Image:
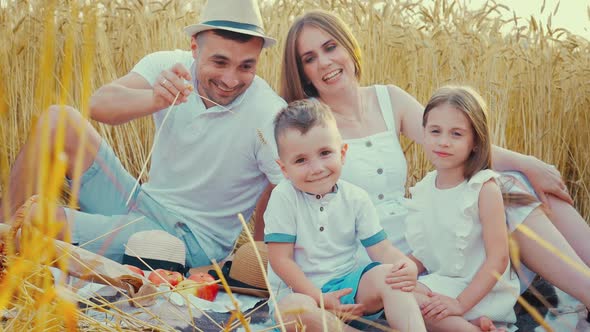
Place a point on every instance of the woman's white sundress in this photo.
(445, 234)
(377, 164)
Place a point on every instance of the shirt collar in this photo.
(327, 196)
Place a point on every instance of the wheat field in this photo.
(536, 79)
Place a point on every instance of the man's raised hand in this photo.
(170, 83)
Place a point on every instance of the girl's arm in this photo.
(544, 178)
(493, 222)
(280, 257)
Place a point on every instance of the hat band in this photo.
(235, 25)
(154, 264)
(231, 281)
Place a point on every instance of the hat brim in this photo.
(233, 284)
(191, 30)
(235, 289)
(153, 264)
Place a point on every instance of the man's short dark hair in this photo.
(226, 34)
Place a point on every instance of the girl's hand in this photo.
(440, 306)
(345, 312)
(545, 179)
(403, 275)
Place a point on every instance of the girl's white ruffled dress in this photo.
(444, 233)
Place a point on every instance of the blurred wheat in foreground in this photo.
(536, 80)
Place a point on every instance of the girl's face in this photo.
(326, 64)
(448, 138)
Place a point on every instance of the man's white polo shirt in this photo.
(325, 230)
(208, 165)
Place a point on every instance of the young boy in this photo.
(314, 225)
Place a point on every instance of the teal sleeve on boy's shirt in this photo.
(280, 217)
(372, 240)
(279, 237)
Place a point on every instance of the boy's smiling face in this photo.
(312, 161)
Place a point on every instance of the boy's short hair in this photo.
(302, 115)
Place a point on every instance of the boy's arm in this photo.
(404, 273)
(493, 222)
(419, 265)
(384, 252)
(280, 257)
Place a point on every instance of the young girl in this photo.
(456, 227)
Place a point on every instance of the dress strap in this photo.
(385, 105)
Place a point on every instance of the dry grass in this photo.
(536, 79)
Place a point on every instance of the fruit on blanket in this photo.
(201, 285)
(161, 276)
(135, 269)
(187, 287)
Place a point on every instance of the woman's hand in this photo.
(545, 179)
(440, 306)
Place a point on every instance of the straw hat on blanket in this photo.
(155, 249)
(243, 273)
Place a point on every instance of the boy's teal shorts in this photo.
(352, 280)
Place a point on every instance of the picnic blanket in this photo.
(171, 309)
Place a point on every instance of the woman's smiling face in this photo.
(326, 64)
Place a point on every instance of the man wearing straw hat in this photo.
(213, 154)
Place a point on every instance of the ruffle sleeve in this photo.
(470, 212)
(470, 199)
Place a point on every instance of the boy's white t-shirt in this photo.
(325, 230)
(208, 165)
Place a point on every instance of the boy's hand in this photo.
(440, 306)
(403, 275)
(345, 312)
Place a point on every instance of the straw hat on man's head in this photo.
(241, 16)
